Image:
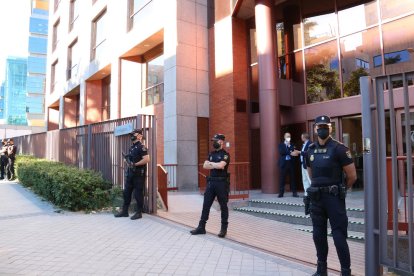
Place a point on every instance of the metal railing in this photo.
(96, 147)
(171, 170)
(239, 179)
(152, 95)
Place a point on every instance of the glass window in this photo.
(135, 6)
(73, 60)
(154, 89)
(322, 76)
(392, 8)
(360, 53)
(398, 45)
(37, 45)
(319, 21)
(35, 84)
(74, 13)
(99, 35)
(357, 18)
(139, 5)
(56, 35)
(53, 78)
(36, 65)
(38, 26)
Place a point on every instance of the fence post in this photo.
(88, 147)
(371, 237)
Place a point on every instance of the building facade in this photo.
(36, 63)
(282, 63)
(115, 59)
(15, 91)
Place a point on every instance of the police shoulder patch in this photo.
(348, 154)
(226, 157)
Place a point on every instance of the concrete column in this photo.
(61, 112)
(268, 97)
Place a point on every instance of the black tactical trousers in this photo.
(10, 168)
(4, 161)
(333, 208)
(220, 190)
(134, 183)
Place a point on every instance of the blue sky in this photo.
(14, 30)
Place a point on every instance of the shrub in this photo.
(65, 186)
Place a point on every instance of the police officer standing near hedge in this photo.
(217, 186)
(11, 155)
(3, 159)
(327, 160)
(135, 178)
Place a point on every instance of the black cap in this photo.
(137, 130)
(322, 120)
(218, 136)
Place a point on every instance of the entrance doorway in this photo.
(352, 138)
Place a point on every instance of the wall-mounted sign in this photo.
(123, 129)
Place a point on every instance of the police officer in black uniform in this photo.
(4, 160)
(135, 177)
(327, 160)
(217, 186)
(11, 155)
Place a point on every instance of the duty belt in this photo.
(333, 189)
(216, 178)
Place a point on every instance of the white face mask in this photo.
(287, 139)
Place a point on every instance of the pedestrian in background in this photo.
(305, 176)
(287, 153)
(327, 160)
(135, 177)
(4, 160)
(217, 186)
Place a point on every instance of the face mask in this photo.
(323, 133)
(133, 138)
(287, 139)
(216, 145)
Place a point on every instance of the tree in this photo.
(351, 87)
(322, 83)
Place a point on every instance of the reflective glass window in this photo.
(398, 45)
(357, 18)
(100, 36)
(38, 26)
(35, 84)
(392, 8)
(319, 21)
(37, 45)
(36, 65)
(322, 76)
(360, 53)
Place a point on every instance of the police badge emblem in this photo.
(348, 153)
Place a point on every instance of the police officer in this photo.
(217, 186)
(135, 178)
(327, 160)
(4, 160)
(11, 155)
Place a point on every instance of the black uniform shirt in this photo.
(217, 156)
(326, 161)
(136, 153)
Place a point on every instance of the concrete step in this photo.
(356, 236)
(296, 205)
(293, 217)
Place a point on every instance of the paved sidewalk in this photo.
(272, 236)
(36, 240)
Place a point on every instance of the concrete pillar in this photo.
(268, 97)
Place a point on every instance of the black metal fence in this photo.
(388, 139)
(96, 147)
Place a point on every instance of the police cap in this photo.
(218, 136)
(137, 130)
(322, 120)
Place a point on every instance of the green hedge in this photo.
(65, 186)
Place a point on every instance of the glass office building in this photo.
(15, 91)
(36, 64)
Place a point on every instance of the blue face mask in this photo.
(323, 133)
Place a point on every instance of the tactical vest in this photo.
(326, 169)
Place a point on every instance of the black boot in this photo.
(137, 215)
(123, 213)
(345, 272)
(322, 269)
(200, 230)
(223, 231)
(306, 201)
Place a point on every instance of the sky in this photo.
(14, 30)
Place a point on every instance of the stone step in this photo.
(356, 236)
(292, 217)
(296, 205)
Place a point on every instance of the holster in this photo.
(314, 193)
(342, 192)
